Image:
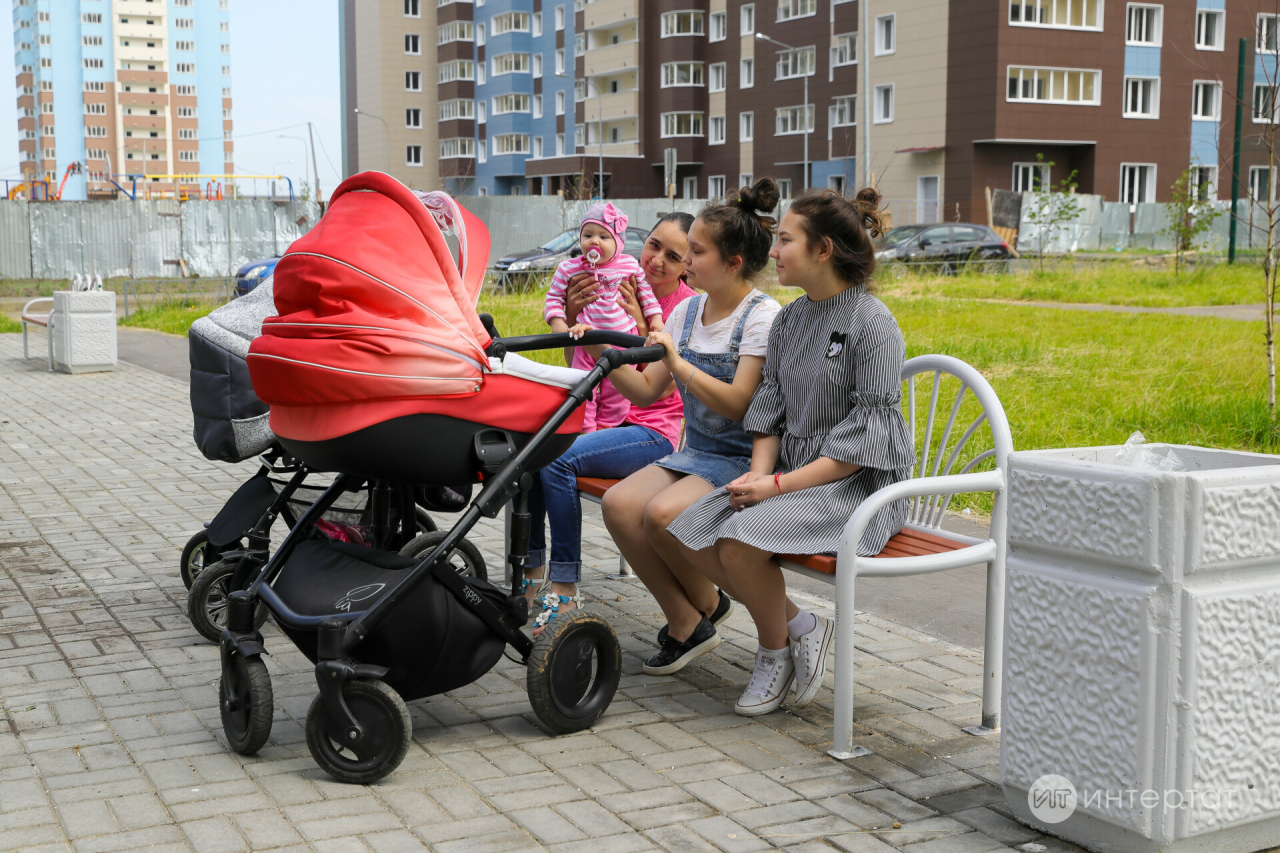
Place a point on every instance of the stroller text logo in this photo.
(360, 593)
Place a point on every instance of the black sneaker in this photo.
(674, 654)
(724, 609)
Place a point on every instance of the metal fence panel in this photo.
(15, 240)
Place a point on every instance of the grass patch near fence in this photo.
(1113, 283)
(8, 324)
(174, 317)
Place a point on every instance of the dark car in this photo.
(944, 247)
(549, 255)
(251, 274)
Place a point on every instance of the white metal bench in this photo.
(922, 546)
(44, 320)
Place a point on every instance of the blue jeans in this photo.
(608, 454)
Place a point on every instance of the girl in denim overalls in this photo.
(715, 358)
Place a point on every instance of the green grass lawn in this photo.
(173, 317)
(8, 324)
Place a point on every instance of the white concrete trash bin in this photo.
(84, 331)
(1142, 650)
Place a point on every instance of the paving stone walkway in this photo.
(112, 739)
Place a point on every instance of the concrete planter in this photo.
(84, 331)
(1142, 650)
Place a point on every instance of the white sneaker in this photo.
(768, 686)
(809, 654)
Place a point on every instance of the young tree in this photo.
(1052, 211)
(1190, 214)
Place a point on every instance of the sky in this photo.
(284, 63)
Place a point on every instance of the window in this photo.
(747, 19)
(189, 156)
(681, 124)
(91, 18)
(480, 37)
(559, 144)
(516, 103)
(559, 18)
(1137, 182)
(682, 24)
(1210, 27)
(788, 120)
(843, 112)
(537, 147)
(746, 73)
(511, 143)
(1204, 183)
(719, 26)
(795, 63)
(510, 22)
(224, 48)
(1062, 14)
(413, 117)
(457, 108)
(715, 186)
(91, 41)
(1267, 36)
(745, 179)
(510, 63)
(681, 74)
(450, 32)
(579, 44)
(716, 136)
(788, 9)
(186, 133)
(579, 91)
(88, 63)
(457, 148)
(95, 109)
(719, 74)
(184, 23)
(883, 105)
(1260, 183)
(1030, 177)
(1143, 24)
(845, 50)
(224, 26)
(482, 154)
(746, 126)
(1206, 100)
(186, 112)
(537, 106)
(94, 86)
(784, 188)
(689, 187)
(537, 24)
(411, 9)
(1141, 97)
(185, 46)
(95, 154)
(1264, 104)
(1054, 85)
(886, 34)
(560, 61)
(458, 69)
(413, 81)
(560, 102)
(836, 182)
(480, 73)
(482, 112)
(537, 65)
(188, 91)
(98, 131)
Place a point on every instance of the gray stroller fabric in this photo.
(230, 421)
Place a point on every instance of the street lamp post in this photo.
(304, 149)
(804, 117)
(600, 130)
(386, 129)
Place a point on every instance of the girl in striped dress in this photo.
(602, 237)
(828, 433)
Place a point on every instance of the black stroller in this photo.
(380, 627)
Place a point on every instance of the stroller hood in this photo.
(376, 318)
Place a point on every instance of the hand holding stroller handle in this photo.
(524, 343)
(637, 355)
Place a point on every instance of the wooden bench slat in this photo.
(40, 320)
(906, 543)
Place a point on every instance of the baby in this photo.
(602, 238)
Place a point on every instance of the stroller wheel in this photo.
(207, 601)
(423, 522)
(197, 554)
(246, 702)
(385, 720)
(573, 671)
(465, 557)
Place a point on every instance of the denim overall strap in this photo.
(690, 317)
(736, 340)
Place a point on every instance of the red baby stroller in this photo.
(379, 368)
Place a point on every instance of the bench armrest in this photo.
(49, 299)
(985, 481)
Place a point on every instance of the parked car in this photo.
(549, 255)
(944, 246)
(249, 275)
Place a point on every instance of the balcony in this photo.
(619, 105)
(143, 99)
(625, 148)
(144, 122)
(612, 59)
(608, 13)
(145, 77)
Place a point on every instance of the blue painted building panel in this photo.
(209, 83)
(1204, 143)
(1140, 61)
(68, 94)
(1220, 5)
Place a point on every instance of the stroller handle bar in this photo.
(524, 343)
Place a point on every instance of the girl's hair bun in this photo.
(867, 202)
(763, 196)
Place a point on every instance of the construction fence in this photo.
(145, 239)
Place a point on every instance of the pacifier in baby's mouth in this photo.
(593, 255)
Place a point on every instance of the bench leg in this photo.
(24, 341)
(48, 333)
(625, 572)
(993, 651)
(842, 747)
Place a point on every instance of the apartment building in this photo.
(129, 88)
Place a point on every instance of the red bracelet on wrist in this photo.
(777, 482)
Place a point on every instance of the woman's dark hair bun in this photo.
(868, 201)
(764, 196)
(849, 225)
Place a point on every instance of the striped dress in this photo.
(832, 387)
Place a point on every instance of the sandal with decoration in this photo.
(551, 609)
(540, 586)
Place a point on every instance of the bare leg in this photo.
(756, 581)
(626, 516)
